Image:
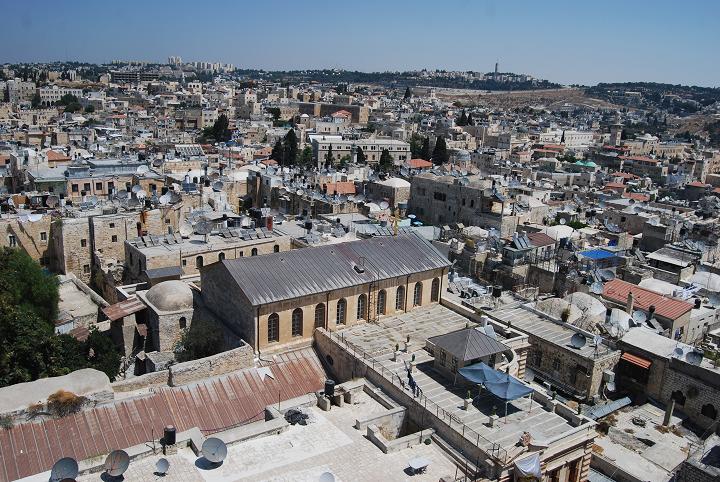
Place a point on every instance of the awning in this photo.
(636, 360)
(123, 308)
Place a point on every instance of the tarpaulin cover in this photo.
(481, 373)
(508, 389)
(529, 466)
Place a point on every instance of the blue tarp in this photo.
(481, 373)
(597, 254)
(509, 389)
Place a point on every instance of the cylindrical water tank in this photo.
(329, 388)
(169, 435)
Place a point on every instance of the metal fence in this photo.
(493, 449)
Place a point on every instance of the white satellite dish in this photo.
(694, 357)
(136, 188)
(162, 466)
(141, 170)
(300, 192)
(384, 205)
(562, 221)
(597, 340)
(217, 186)
(164, 200)
(326, 477)
(214, 450)
(596, 288)
(639, 317)
(122, 194)
(141, 194)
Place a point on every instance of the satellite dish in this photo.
(578, 340)
(217, 186)
(214, 450)
(142, 170)
(384, 205)
(141, 194)
(157, 163)
(300, 192)
(562, 221)
(596, 288)
(65, 468)
(136, 188)
(215, 176)
(122, 194)
(639, 316)
(133, 203)
(359, 198)
(678, 352)
(326, 477)
(52, 201)
(203, 227)
(411, 216)
(164, 200)
(162, 466)
(185, 231)
(116, 463)
(694, 357)
(351, 198)
(93, 200)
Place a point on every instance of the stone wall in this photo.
(191, 371)
(698, 385)
(28, 236)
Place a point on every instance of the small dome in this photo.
(173, 295)
(395, 182)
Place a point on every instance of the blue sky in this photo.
(565, 41)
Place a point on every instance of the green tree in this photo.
(220, 131)
(360, 156)
(305, 158)
(290, 147)
(278, 152)
(386, 163)
(408, 93)
(329, 159)
(462, 121)
(415, 146)
(201, 340)
(470, 121)
(35, 102)
(425, 150)
(24, 284)
(90, 109)
(344, 161)
(101, 354)
(440, 153)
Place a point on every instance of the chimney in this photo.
(630, 303)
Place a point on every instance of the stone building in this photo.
(672, 373)
(395, 191)
(169, 311)
(29, 233)
(278, 300)
(578, 372)
(192, 253)
(441, 200)
(372, 149)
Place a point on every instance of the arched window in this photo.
(273, 328)
(297, 322)
(435, 291)
(362, 307)
(341, 312)
(381, 302)
(400, 298)
(199, 262)
(320, 315)
(221, 256)
(678, 396)
(276, 248)
(709, 411)
(253, 252)
(417, 294)
(183, 322)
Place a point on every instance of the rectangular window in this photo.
(112, 225)
(114, 238)
(83, 243)
(12, 240)
(184, 262)
(111, 185)
(556, 364)
(43, 236)
(74, 188)
(86, 268)
(98, 186)
(86, 187)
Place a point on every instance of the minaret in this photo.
(615, 134)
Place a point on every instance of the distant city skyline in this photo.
(561, 41)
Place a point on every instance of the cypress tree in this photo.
(440, 153)
(425, 151)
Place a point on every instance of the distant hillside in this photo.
(677, 99)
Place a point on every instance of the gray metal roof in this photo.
(468, 344)
(283, 276)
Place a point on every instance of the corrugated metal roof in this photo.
(292, 274)
(123, 308)
(212, 405)
(617, 290)
(468, 344)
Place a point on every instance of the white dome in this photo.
(173, 295)
(586, 303)
(559, 231)
(395, 182)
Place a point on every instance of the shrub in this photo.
(63, 403)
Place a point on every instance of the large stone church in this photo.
(277, 300)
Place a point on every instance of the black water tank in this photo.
(698, 303)
(329, 388)
(497, 291)
(169, 435)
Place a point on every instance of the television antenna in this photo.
(116, 463)
(214, 450)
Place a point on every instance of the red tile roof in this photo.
(212, 405)
(640, 158)
(540, 239)
(419, 164)
(617, 290)
(54, 156)
(636, 196)
(347, 187)
(624, 175)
